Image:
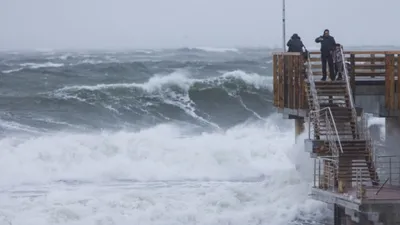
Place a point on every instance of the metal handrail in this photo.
(333, 137)
(362, 129)
(389, 167)
(310, 77)
(324, 176)
(334, 124)
(349, 90)
(347, 79)
(315, 115)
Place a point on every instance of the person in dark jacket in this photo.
(328, 45)
(295, 44)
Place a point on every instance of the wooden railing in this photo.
(365, 64)
(288, 73)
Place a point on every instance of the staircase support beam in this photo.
(345, 168)
(299, 127)
(392, 132)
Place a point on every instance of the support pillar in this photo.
(392, 132)
(299, 126)
(338, 215)
(344, 184)
(390, 217)
(375, 131)
(349, 221)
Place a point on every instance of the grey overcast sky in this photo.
(55, 24)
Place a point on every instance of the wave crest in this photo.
(177, 95)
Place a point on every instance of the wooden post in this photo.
(289, 82)
(389, 82)
(299, 127)
(281, 81)
(398, 82)
(353, 74)
(296, 83)
(276, 85)
(349, 221)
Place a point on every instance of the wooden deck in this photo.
(387, 195)
(369, 68)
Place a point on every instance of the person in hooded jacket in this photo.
(295, 44)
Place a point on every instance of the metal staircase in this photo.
(347, 151)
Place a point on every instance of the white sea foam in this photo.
(41, 65)
(213, 49)
(250, 174)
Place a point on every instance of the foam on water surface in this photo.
(250, 174)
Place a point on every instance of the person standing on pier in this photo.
(295, 44)
(328, 45)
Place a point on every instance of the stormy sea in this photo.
(148, 137)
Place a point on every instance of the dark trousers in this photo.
(327, 58)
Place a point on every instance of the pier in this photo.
(359, 182)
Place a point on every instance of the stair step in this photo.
(338, 86)
(329, 90)
(332, 92)
(360, 147)
(364, 174)
(347, 152)
(356, 155)
(340, 111)
(354, 167)
(353, 157)
(354, 178)
(339, 114)
(331, 97)
(339, 127)
(359, 150)
(345, 143)
(331, 105)
(339, 132)
(329, 83)
(340, 122)
(353, 141)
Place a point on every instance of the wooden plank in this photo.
(295, 82)
(389, 82)
(392, 81)
(289, 88)
(291, 82)
(361, 52)
(295, 86)
(398, 82)
(360, 59)
(302, 75)
(275, 79)
(279, 79)
(353, 75)
(286, 53)
(281, 82)
(286, 66)
(358, 73)
(303, 99)
(371, 67)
